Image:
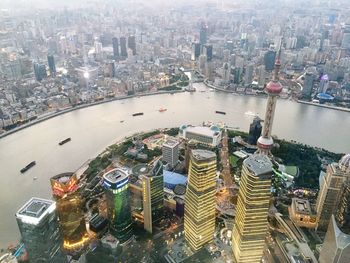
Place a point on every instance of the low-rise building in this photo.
(302, 214)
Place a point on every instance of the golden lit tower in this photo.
(249, 232)
(200, 199)
(273, 89)
(70, 213)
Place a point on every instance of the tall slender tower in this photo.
(249, 232)
(200, 199)
(273, 89)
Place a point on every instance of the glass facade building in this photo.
(200, 199)
(249, 232)
(116, 184)
(38, 224)
(69, 210)
(153, 196)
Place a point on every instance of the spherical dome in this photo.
(265, 143)
(344, 163)
(274, 87)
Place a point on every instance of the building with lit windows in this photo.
(116, 184)
(336, 246)
(153, 196)
(249, 232)
(70, 213)
(38, 224)
(328, 196)
(200, 199)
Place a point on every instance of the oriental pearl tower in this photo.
(273, 89)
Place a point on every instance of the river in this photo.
(93, 129)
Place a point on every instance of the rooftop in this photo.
(35, 209)
(203, 130)
(171, 143)
(258, 164)
(174, 178)
(202, 155)
(115, 175)
(302, 206)
(63, 178)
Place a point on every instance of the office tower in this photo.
(226, 73)
(38, 224)
(308, 84)
(208, 51)
(261, 75)
(116, 184)
(200, 199)
(39, 71)
(336, 246)
(189, 145)
(170, 152)
(324, 83)
(115, 45)
(254, 131)
(237, 72)
(52, 66)
(248, 76)
(269, 60)
(330, 190)
(70, 211)
(203, 32)
(196, 50)
(249, 232)
(273, 89)
(123, 49)
(153, 196)
(132, 44)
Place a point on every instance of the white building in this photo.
(171, 152)
(207, 135)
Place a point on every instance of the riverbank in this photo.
(324, 106)
(60, 112)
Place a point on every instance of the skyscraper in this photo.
(116, 183)
(200, 199)
(115, 45)
(336, 246)
(203, 32)
(70, 211)
(38, 223)
(123, 49)
(52, 65)
(170, 152)
(254, 131)
(330, 190)
(153, 196)
(208, 51)
(132, 44)
(269, 59)
(249, 232)
(196, 50)
(308, 84)
(39, 71)
(273, 89)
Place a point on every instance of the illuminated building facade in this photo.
(200, 199)
(328, 196)
(38, 223)
(69, 208)
(116, 184)
(249, 232)
(153, 196)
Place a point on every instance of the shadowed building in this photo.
(254, 131)
(200, 199)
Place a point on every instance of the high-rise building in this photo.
(273, 89)
(254, 131)
(38, 224)
(308, 84)
(196, 51)
(248, 76)
(132, 44)
(70, 211)
(249, 232)
(153, 196)
(208, 51)
(203, 34)
(336, 246)
(330, 190)
(39, 71)
(269, 60)
(116, 183)
(115, 45)
(170, 151)
(123, 49)
(52, 65)
(324, 84)
(200, 199)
